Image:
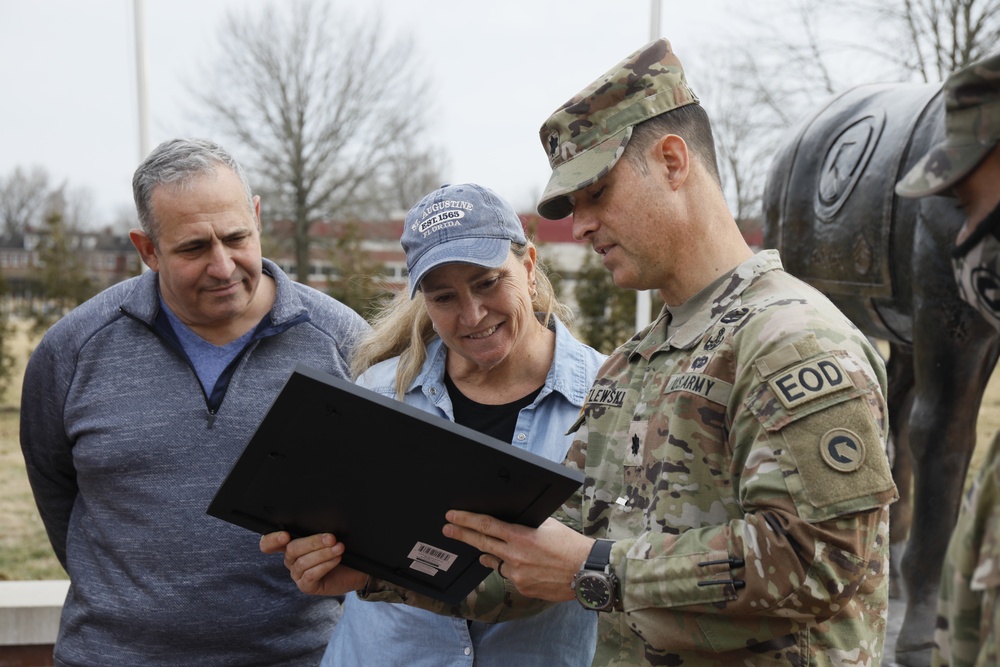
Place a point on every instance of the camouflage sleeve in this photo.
(968, 627)
(571, 512)
(811, 532)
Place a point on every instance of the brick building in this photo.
(108, 258)
(380, 242)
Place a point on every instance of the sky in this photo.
(68, 78)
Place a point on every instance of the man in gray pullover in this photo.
(135, 406)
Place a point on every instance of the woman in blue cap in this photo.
(477, 338)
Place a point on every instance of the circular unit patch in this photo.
(842, 450)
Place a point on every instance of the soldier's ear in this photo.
(672, 154)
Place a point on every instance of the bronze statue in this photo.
(830, 208)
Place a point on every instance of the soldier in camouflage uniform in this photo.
(736, 483)
(966, 165)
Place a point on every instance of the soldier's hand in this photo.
(539, 562)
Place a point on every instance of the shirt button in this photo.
(468, 650)
(434, 391)
(521, 437)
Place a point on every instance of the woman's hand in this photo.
(314, 563)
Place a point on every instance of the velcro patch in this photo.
(833, 461)
(710, 388)
(599, 395)
(842, 449)
(809, 381)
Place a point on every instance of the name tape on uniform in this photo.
(714, 390)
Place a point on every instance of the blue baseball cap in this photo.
(459, 224)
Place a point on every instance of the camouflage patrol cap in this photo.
(972, 129)
(587, 135)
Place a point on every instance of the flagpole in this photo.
(643, 300)
(142, 88)
(141, 76)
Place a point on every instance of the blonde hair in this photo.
(403, 328)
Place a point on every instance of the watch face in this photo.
(593, 590)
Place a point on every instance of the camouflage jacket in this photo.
(968, 628)
(739, 464)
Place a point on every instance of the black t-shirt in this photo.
(498, 421)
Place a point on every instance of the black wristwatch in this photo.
(596, 585)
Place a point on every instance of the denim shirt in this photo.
(376, 634)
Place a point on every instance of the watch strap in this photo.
(600, 555)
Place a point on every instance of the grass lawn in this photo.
(25, 552)
(24, 548)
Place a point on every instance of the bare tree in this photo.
(788, 60)
(758, 82)
(412, 173)
(741, 115)
(123, 219)
(933, 38)
(22, 197)
(322, 102)
(73, 205)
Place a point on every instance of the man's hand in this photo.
(540, 562)
(314, 563)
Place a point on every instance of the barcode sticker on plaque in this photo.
(430, 560)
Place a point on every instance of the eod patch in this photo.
(808, 381)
